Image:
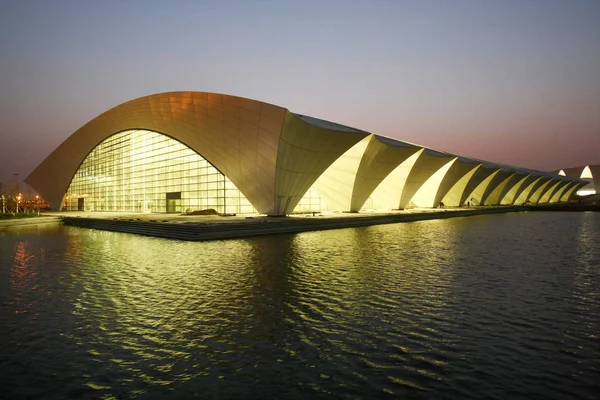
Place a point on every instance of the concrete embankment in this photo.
(565, 207)
(254, 226)
(7, 224)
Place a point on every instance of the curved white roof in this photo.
(274, 157)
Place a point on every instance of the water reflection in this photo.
(455, 308)
(585, 298)
(159, 302)
(22, 279)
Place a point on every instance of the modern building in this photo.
(588, 173)
(181, 151)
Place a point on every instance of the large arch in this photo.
(556, 197)
(427, 194)
(478, 183)
(307, 147)
(492, 192)
(523, 197)
(381, 157)
(238, 136)
(548, 194)
(336, 184)
(511, 182)
(536, 196)
(513, 194)
(428, 163)
(459, 169)
(455, 196)
(570, 191)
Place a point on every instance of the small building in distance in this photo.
(186, 151)
(590, 192)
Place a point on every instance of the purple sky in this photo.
(516, 82)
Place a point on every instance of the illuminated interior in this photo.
(586, 192)
(586, 173)
(588, 189)
(145, 171)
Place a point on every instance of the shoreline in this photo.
(222, 228)
(212, 227)
(6, 224)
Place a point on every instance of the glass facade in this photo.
(311, 201)
(145, 171)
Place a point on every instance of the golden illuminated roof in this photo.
(275, 156)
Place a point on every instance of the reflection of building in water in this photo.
(588, 173)
(179, 151)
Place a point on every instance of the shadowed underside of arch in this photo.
(380, 158)
(273, 156)
(458, 169)
(512, 182)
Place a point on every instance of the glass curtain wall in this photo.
(145, 171)
(311, 201)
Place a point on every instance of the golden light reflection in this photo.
(22, 276)
(143, 294)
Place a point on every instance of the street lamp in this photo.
(17, 190)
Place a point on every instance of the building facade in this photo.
(185, 151)
(588, 173)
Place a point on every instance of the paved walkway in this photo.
(43, 219)
(182, 218)
(213, 227)
(200, 228)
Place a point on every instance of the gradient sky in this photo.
(515, 82)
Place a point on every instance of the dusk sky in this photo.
(515, 82)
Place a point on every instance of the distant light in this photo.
(586, 192)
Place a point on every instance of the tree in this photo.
(9, 195)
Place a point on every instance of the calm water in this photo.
(499, 306)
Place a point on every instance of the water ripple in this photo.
(499, 306)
